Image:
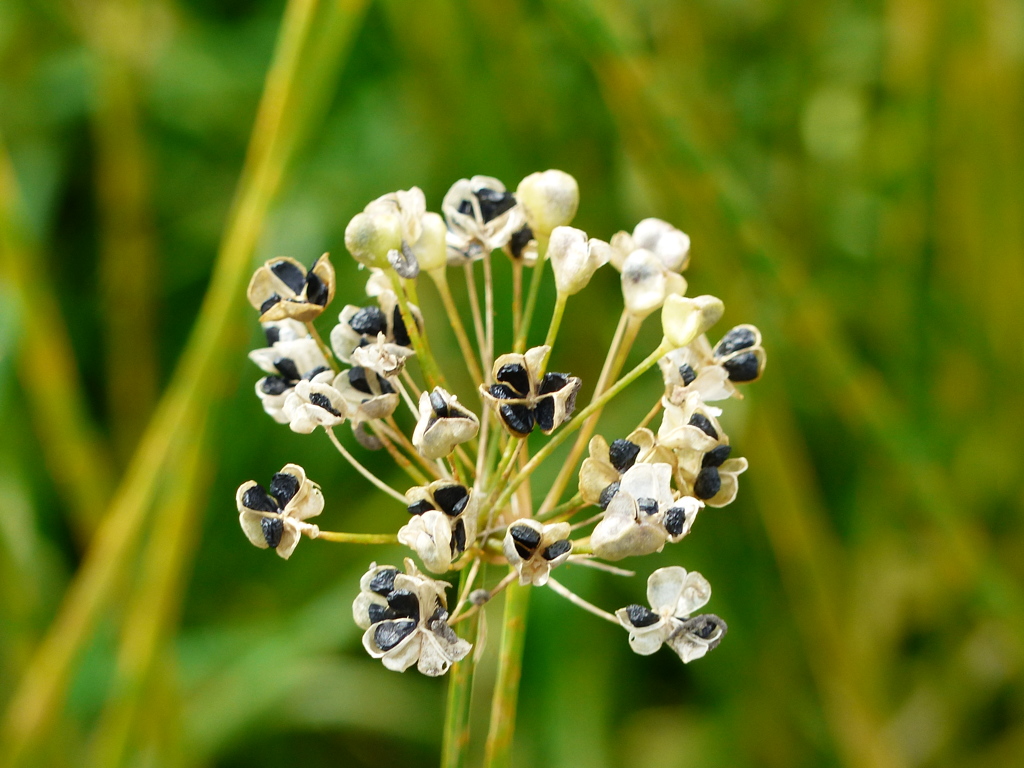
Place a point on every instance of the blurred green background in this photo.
(851, 176)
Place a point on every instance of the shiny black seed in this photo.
(385, 385)
(494, 203)
(515, 375)
(357, 378)
(647, 505)
(291, 275)
(274, 385)
(258, 499)
(369, 321)
(622, 454)
(322, 401)
(607, 494)
(735, 340)
(274, 298)
(640, 616)
(316, 290)
(379, 612)
(675, 519)
(708, 483)
(504, 392)
(458, 542)
(525, 539)
(557, 549)
(384, 581)
(286, 367)
(466, 208)
(744, 367)
(439, 405)
(398, 329)
(687, 374)
(273, 334)
(273, 529)
(283, 487)
(405, 603)
(390, 633)
(552, 382)
(518, 418)
(419, 507)
(703, 423)
(452, 499)
(308, 375)
(519, 240)
(544, 413)
(716, 456)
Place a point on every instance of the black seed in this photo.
(273, 334)
(398, 329)
(525, 539)
(322, 401)
(544, 413)
(273, 529)
(452, 499)
(385, 385)
(369, 321)
(274, 298)
(744, 367)
(308, 375)
(518, 418)
(716, 456)
(640, 616)
(283, 487)
(379, 612)
(687, 374)
(647, 505)
(607, 494)
(622, 454)
(735, 340)
(552, 382)
(274, 385)
(258, 499)
(357, 378)
(519, 240)
(405, 603)
(291, 275)
(316, 290)
(708, 483)
(419, 507)
(466, 208)
(439, 405)
(675, 519)
(494, 203)
(390, 633)
(384, 582)
(286, 367)
(504, 392)
(458, 542)
(557, 549)
(703, 423)
(515, 375)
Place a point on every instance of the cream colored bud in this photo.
(683, 319)
(431, 249)
(549, 199)
(574, 259)
(369, 237)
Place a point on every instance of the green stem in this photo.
(440, 278)
(556, 323)
(419, 340)
(455, 739)
(358, 538)
(498, 752)
(531, 299)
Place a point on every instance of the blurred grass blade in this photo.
(196, 381)
(75, 454)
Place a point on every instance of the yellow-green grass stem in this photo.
(488, 352)
(358, 538)
(455, 737)
(554, 326)
(531, 299)
(400, 459)
(498, 750)
(478, 319)
(424, 356)
(325, 350)
(376, 481)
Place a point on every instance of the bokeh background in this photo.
(851, 175)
